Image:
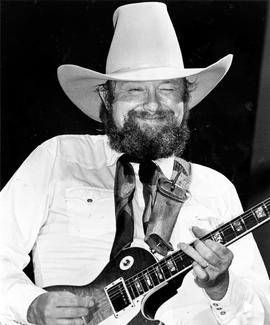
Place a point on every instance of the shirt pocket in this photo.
(90, 211)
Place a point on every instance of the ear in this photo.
(102, 95)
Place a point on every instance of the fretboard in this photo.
(178, 262)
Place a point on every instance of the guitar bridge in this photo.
(119, 297)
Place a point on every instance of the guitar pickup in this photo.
(119, 297)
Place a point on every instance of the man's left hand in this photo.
(211, 264)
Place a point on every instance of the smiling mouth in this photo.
(151, 120)
(144, 116)
(151, 116)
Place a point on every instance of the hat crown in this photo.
(144, 37)
(144, 48)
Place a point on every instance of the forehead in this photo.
(154, 83)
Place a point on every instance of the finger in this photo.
(199, 232)
(206, 252)
(70, 312)
(190, 251)
(72, 321)
(219, 249)
(200, 273)
(68, 299)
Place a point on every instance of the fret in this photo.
(231, 225)
(171, 266)
(161, 275)
(138, 285)
(165, 269)
(251, 220)
(154, 276)
(143, 282)
(131, 290)
(174, 267)
(134, 288)
(186, 261)
(243, 222)
(266, 209)
(178, 260)
(148, 280)
(228, 233)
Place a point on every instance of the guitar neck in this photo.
(178, 262)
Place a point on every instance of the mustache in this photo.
(158, 114)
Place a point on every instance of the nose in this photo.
(151, 102)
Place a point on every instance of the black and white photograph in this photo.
(135, 162)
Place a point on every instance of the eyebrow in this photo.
(127, 83)
(171, 81)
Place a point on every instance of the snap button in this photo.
(222, 312)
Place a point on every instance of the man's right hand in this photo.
(59, 308)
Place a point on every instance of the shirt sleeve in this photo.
(247, 300)
(24, 204)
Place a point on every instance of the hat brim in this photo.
(80, 84)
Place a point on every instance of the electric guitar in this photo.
(134, 285)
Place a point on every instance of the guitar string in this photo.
(115, 296)
(142, 285)
(179, 256)
(226, 226)
(141, 275)
(246, 215)
(150, 271)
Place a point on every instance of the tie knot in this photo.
(147, 172)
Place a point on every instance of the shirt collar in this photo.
(165, 164)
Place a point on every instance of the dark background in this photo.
(38, 36)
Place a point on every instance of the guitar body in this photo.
(135, 284)
(128, 263)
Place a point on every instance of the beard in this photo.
(148, 142)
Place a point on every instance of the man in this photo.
(60, 203)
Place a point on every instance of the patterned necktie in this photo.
(163, 201)
(124, 188)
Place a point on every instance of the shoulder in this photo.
(81, 148)
(210, 181)
(212, 189)
(69, 141)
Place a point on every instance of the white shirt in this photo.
(60, 204)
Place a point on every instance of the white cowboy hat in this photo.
(144, 47)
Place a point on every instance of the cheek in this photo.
(178, 109)
(120, 111)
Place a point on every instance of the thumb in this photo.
(90, 301)
(199, 232)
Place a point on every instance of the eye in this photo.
(133, 90)
(167, 88)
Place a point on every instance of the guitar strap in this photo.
(163, 200)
